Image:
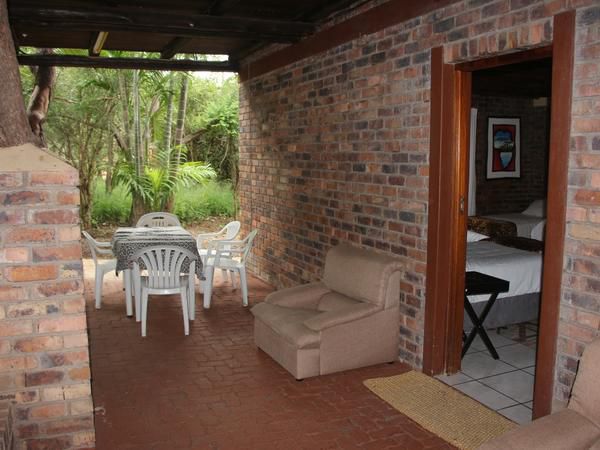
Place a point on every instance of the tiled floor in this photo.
(506, 384)
(214, 390)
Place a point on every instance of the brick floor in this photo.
(214, 389)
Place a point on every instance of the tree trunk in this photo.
(137, 204)
(110, 160)
(40, 97)
(124, 108)
(14, 127)
(169, 119)
(85, 200)
(181, 111)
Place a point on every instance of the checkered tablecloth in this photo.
(127, 241)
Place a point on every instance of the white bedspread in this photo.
(525, 224)
(521, 268)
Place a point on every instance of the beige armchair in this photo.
(350, 319)
(574, 428)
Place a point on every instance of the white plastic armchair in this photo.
(228, 232)
(103, 266)
(162, 266)
(158, 219)
(228, 255)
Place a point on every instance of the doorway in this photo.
(451, 93)
(506, 197)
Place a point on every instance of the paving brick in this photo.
(215, 389)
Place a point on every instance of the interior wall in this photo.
(335, 148)
(506, 195)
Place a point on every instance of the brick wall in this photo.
(44, 359)
(335, 148)
(504, 195)
(580, 311)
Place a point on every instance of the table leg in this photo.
(127, 282)
(478, 328)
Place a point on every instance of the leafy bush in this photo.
(192, 204)
(111, 207)
(199, 202)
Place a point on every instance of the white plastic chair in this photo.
(229, 255)
(158, 219)
(228, 232)
(103, 266)
(163, 276)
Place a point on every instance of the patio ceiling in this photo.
(225, 27)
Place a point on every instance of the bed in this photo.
(530, 223)
(521, 268)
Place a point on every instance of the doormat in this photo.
(441, 409)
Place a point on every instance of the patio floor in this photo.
(214, 389)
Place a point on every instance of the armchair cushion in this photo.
(332, 301)
(336, 317)
(585, 398)
(563, 430)
(288, 323)
(359, 274)
(306, 296)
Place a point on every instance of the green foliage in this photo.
(113, 207)
(191, 205)
(164, 175)
(218, 133)
(212, 199)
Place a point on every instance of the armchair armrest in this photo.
(304, 296)
(333, 318)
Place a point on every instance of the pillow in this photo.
(539, 231)
(537, 208)
(472, 236)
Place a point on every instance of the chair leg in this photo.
(192, 299)
(144, 302)
(208, 286)
(232, 277)
(127, 282)
(243, 285)
(137, 288)
(98, 287)
(184, 307)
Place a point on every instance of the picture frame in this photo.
(504, 147)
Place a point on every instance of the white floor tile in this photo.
(454, 379)
(479, 365)
(497, 339)
(528, 405)
(517, 385)
(530, 370)
(517, 355)
(487, 396)
(518, 413)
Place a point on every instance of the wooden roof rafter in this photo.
(234, 28)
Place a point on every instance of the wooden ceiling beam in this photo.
(173, 47)
(181, 25)
(127, 63)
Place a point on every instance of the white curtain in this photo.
(472, 175)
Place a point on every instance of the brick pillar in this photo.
(44, 357)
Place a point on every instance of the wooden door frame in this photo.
(448, 177)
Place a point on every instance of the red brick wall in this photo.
(504, 195)
(580, 312)
(335, 148)
(44, 359)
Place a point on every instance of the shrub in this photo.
(110, 207)
(199, 202)
(192, 204)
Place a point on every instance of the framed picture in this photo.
(504, 148)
